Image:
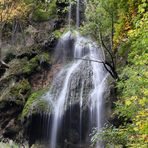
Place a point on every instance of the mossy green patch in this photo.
(36, 103)
(28, 50)
(16, 67)
(30, 62)
(57, 33)
(17, 92)
(31, 65)
(28, 1)
(22, 66)
(20, 91)
(34, 64)
(45, 57)
(11, 144)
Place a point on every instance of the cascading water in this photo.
(78, 14)
(59, 105)
(69, 15)
(81, 82)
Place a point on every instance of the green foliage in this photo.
(16, 67)
(100, 18)
(22, 66)
(132, 87)
(119, 137)
(34, 64)
(20, 91)
(31, 65)
(58, 33)
(28, 1)
(40, 15)
(11, 144)
(110, 136)
(43, 11)
(130, 32)
(45, 57)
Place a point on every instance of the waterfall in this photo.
(59, 104)
(81, 111)
(98, 81)
(78, 14)
(79, 81)
(69, 14)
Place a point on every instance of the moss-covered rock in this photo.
(46, 57)
(27, 67)
(58, 33)
(36, 104)
(18, 92)
(11, 144)
(31, 66)
(16, 67)
(27, 51)
(21, 66)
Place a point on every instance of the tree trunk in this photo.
(2, 63)
(1, 28)
(112, 31)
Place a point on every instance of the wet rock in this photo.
(9, 57)
(2, 71)
(11, 129)
(9, 125)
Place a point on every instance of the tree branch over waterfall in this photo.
(101, 27)
(106, 63)
(103, 44)
(107, 66)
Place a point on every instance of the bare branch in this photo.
(107, 66)
(98, 61)
(3, 64)
(102, 42)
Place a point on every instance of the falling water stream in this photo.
(59, 105)
(69, 14)
(79, 80)
(78, 14)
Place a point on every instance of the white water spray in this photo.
(69, 14)
(78, 14)
(59, 105)
(83, 48)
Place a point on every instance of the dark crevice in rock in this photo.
(9, 124)
(2, 71)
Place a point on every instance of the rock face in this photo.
(76, 83)
(29, 69)
(27, 72)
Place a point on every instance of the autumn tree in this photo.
(100, 24)
(10, 11)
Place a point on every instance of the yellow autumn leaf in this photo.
(128, 102)
(143, 101)
(136, 129)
